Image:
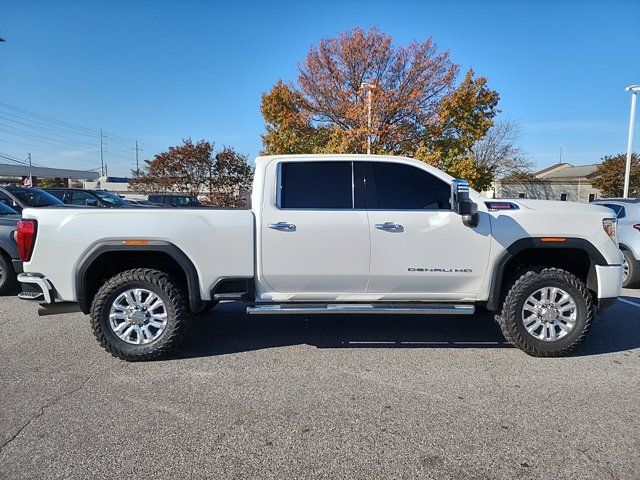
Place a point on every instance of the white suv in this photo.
(628, 211)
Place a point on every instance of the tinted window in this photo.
(34, 197)
(110, 198)
(63, 195)
(326, 185)
(83, 198)
(394, 186)
(619, 209)
(6, 210)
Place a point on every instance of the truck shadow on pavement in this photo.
(228, 329)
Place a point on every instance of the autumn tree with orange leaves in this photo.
(418, 110)
(193, 168)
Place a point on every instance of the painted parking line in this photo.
(623, 300)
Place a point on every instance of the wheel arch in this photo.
(536, 251)
(164, 256)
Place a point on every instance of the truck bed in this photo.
(219, 242)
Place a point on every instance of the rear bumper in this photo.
(35, 288)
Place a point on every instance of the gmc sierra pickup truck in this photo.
(341, 234)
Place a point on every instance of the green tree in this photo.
(609, 176)
(46, 183)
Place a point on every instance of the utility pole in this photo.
(634, 89)
(101, 155)
(137, 161)
(368, 87)
(30, 175)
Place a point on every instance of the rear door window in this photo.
(315, 185)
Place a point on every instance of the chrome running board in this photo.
(399, 308)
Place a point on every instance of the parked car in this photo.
(176, 200)
(628, 212)
(19, 198)
(329, 234)
(10, 263)
(91, 198)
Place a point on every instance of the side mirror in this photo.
(462, 204)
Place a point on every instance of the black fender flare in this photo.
(495, 289)
(185, 263)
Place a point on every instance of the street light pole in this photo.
(634, 89)
(368, 87)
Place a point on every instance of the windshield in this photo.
(7, 210)
(33, 197)
(110, 198)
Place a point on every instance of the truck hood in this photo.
(562, 207)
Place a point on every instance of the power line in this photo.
(41, 131)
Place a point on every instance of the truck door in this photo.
(420, 249)
(313, 243)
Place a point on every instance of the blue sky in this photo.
(162, 71)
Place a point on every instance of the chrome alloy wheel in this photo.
(549, 314)
(625, 270)
(138, 316)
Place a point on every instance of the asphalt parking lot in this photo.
(331, 397)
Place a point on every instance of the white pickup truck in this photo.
(328, 234)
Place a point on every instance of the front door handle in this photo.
(282, 226)
(390, 227)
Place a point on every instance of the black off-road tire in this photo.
(160, 283)
(524, 283)
(7, 275)
(633, 278)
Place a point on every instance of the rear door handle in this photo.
(282, 226)
(390, 227)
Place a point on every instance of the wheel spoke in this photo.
(122, 326)
(569, 306)
(129, 297)
(155, 323)
(126, 335)
(533, 327)
(152, 297)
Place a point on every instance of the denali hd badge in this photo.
(440, 270)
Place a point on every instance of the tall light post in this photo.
(634, 89)
(368, 87)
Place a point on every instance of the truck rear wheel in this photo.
(139, 314)
(546, 312)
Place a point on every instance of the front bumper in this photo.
(35, 288)
(609, 284)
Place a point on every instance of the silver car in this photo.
(628, 211)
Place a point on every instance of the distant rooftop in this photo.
(566, 171)
(11, 170)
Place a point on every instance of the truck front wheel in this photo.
(139, 314)
(546, 312)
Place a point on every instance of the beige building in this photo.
(561, 181)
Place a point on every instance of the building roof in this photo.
(8, 169)
(566, 171)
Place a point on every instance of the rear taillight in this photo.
(637, 227)
(26, 238)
